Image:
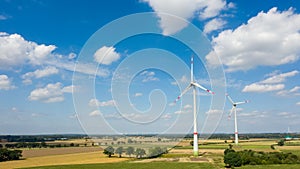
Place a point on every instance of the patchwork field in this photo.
(211, 156)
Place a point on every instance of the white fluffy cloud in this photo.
(15, 50)
(298, 103)
(214, 112)
(50, 93)
(138, 94)
(106, 55)
(70, 89)
(292, 92)
(95, 113)
(6, 83)
(214, 24)
(186, 109)
(97, 103)
(39, 73)
(273, 83)
(287, 115)
(260, 88)
(280, 77)
(148, 76)
(186, 9)
(211, 8)
(268, 39)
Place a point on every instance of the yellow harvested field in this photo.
(57, 151)
(295, 148)
(64, 159)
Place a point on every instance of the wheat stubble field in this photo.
(60, 156)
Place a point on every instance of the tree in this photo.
(156, 152)
(232, 159)
(6, 154)
(129, 141)
(228, 150)
(15, 154)
(43, 144)
(140, 152)
(109, 151)
(272, 147)
(280, 143)
(119, 151)
(129, 151)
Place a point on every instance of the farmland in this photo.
(211, 154)
(60, 159)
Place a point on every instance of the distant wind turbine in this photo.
(193, 85)
(234, 104)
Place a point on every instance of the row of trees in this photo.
(6, 155)
(139, 152)
(250, 157)
(35, 145)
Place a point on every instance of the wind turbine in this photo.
(234, 104)
(193, 85)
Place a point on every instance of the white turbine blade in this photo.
(229, 98)
(192, 68)
(184, 91)
(229, 116)
(246, 101)
(203, 88)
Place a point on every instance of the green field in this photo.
(156, 165)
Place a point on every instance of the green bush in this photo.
(156, 152)
(272, 147)
(280, 143)
(232, 159)
(249, 157)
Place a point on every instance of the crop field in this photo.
(60, 159)
(211, 156)
(156, 165)
(27, 153)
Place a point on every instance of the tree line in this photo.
(138, 152)
(234, 158)
(36, 145)
(40, 138)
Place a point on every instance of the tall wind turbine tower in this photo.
(233, 109)
(193, 85)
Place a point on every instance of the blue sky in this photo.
(129, 85)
